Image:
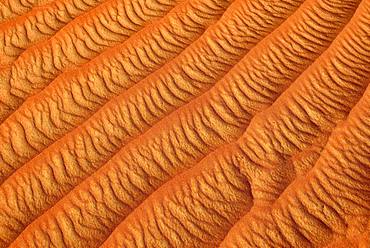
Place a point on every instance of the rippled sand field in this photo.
(185, 123)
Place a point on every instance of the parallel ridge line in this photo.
(349, 139)
(40, 160)
(25, 132)
(76, 44)
(9, 13)
(353, 44)
(265, 171)
(37, 25)
(173, 65)
(189, 13)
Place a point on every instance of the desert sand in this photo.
(185, 123)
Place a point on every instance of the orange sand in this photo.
(185, 123)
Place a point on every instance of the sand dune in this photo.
(185, 123)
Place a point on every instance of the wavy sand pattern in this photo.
(185, 123)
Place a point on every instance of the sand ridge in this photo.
(185, 123)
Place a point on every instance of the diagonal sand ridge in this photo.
(184, 123)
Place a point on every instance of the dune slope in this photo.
(185, 123)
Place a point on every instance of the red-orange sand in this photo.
(185, 123)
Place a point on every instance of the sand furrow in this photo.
(163, 147)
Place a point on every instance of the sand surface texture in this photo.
(185, 123)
